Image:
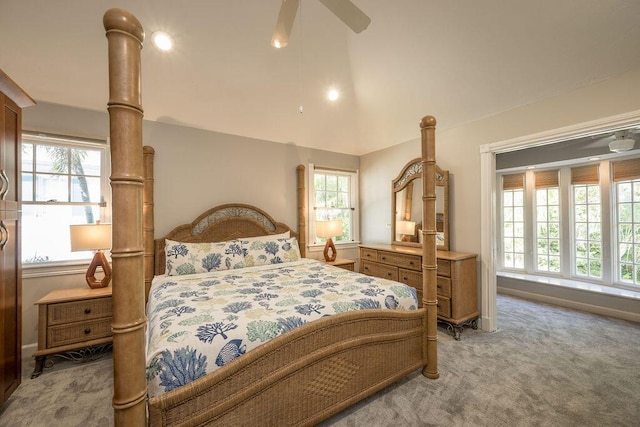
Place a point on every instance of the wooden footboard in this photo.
(322, 367)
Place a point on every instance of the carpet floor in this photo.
(545, 366)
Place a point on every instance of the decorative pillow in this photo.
(273, 251)
(191, 258)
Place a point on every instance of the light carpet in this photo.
(545, 366)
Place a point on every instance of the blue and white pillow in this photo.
(191, 258)
(270, 251)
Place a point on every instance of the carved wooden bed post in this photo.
(147, 218)
(125, 36)
(429, 266)
(302, 211)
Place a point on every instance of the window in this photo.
(583, 223)
(64, 182)
(587, 227)
(513, 221)
(334, 195)
(547, 221)
(626, 175)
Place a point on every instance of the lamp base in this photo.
(329, 247)
(99, 260)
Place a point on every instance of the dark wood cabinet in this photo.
(12, 99)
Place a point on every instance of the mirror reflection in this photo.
(407, 206)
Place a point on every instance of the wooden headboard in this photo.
(224, 222)
(218, 224)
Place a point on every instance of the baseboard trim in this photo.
(29, 349)
(604, 311)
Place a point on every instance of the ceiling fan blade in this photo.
(349, 14)
(287, 14)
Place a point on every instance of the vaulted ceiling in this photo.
(458, 60)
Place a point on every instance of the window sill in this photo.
(63, 268)
(315, 247)
(573, 284)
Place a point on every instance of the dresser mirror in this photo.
(406, 202)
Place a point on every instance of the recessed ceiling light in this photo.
(333, 94)
(162, 40)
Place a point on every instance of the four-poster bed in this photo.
(298, 378)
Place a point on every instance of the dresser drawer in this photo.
(413, 279)
(444, 267)
(78, 332)
(380, 270)
(401, 260)
(368, 254)
(444, 287)
(444, 307)
(75, 311)
(410, 277)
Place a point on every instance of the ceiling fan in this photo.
(348, 12)
(619, 141)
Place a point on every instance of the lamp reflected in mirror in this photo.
(328, 230)
(406, 229)
(93, 237)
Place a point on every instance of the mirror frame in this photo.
(410, 172)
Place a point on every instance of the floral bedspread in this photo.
(200, 322)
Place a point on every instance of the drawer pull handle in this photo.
(439, 287)
(389, 274)
(87, 331)
(383, 258)
(87, 311)
(404, 278)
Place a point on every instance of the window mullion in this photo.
(608, 223)
(566, 226)
(529, 222)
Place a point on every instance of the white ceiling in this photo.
(458, 60)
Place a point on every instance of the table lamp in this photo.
(329, 229)
(93, 237)
(406, 228)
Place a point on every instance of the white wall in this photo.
(457, 150)
(194, 170)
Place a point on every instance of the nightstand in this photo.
(347, 264)
(72, 321)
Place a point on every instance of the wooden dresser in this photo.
(72, 321)
(457, 279)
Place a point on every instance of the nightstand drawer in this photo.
(444, 307)
(78, 332)
(444, 287)
(75, 311)
(378, 270)
(401, 260)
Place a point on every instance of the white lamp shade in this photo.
(405, 227)
(330, 228)
(90, 237)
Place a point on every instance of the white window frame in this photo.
(315, 246)
(609, 243)
(62, 267)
